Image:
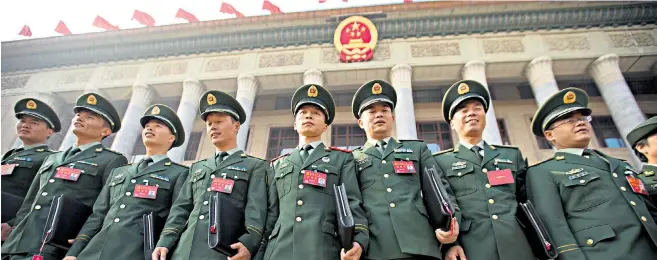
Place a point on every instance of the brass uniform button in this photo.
(491, 201)
(589, 242)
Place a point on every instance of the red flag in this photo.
(229, 9)
(25, 31)
(324, 1)
(100, 22)
(182, 14)
(62, 28)
(143, 18)
(408, 1)
(266, 5)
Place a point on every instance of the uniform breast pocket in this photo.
(196, 180)
(584, 192)
(241, 185)
(43, 173)
(23, 164)
(406, 165)
(462, 180)
(87, 179)
(332, 178)
(510, 187)
(283, 180)
(116, 184)
(364, 167)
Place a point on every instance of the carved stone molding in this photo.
(222, 64)
(75, 77)
(330, 56)
(435, 49)
(173, 68)
(14, 82)
(503, 46)
(632, 39)
(116, 73)
(381, 52)
(570, 43)
(280, 60)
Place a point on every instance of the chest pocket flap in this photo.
(45, 167)
(23, 164)
(327, 168)
(86, 169)
(282, 172)
(459, 169)
(198, 175)
(116, 180)
(406, 157)
(571, 181)
(237, 175)
(363, 163)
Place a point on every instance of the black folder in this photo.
(65, 220)
(225, 225)
(10, 205)
(345, 219)
(536, 233)
(153, 225)
(439, 207)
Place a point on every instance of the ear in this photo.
(172, 139)
(360, 124)
(549, 136)
(642, 148)
(237, 125)
(50, 132)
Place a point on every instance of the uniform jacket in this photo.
(649, 178)
(488, 226)
(399, 224)
(187, 224)
(590, 209)
(27, 164)
(96, 164)
(115, 229)
(302, 217)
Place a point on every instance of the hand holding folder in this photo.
(226, 224)
(153, 225)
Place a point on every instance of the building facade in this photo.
(522, 52)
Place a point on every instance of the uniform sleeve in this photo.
(114, 163)
(355, 198)
(544, 194)
(178, 187)
(521, 175)
(272, 211)
(255, 212)
(93, 224)
(178, 216)
(26, 207)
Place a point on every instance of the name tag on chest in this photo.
(637, 185)
(314, 178)
(222, 185)
(67, 173)
(145, 191)
(403, 167)
(500, 177)
(8, 169)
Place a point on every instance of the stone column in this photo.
(313, 76)
(476, 70)
(187, 111)
(400, 78)
(247, 86)
(541, 78)
(64, 113)
(142, 95)
(617, 95)
(69, 137)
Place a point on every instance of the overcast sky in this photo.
(42, 16)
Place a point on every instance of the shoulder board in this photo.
(338, 149)
(411, 140)
(279, 157)
(256, 157)
(546, 160)
(359, 148)
(109, 150)
(181, 165)
(443, 151)
(504, 146)
(52, 151)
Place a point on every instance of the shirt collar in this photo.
(230, 152)
(469, 146)
(159, 157)
(575, 151)
(313, 144)
(374, 141)
(87, 146)
(27, 147)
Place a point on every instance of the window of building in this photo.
(510, 91)
(503, 132)
(281, 141)
(525, 91)
(343, 99)
(645, 86)
(606, 132)
(437, 135)
(282, 102)
(430, 95)
(348, 136)
(192, 145)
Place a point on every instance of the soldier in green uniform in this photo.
(187, 224)
(134, 190)
(389, 173)
(643, 139)
(593, 205)
(78, 173)
(486, 180)
(36, 123)
(302, 209)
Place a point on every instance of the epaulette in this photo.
(411, 140)
(279, 157)
(181, 165)
(255, 157)
(338, 149)
(107, 149)
(443, 151)
(548, 159)
(505, 146)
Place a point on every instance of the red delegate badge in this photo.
(37, 257)
(222, 185)
(403, 167)
(314, 178)
(500, 177)
(637, 185)
(67, 173)
(8, 169)
(145, 192)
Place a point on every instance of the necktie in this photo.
(381, 145)
(72, 152)
(476, 150)
(144, 163)
(305, 150)
(220, 157)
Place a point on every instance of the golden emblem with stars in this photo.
(312, 91)
(377, 89)
(91, 100)
(212, 99)
(31, 104)
(155, 111)
(463, 88)
(569, 98)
